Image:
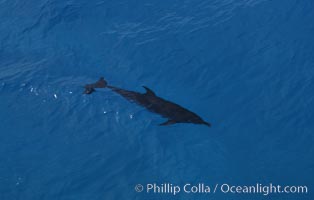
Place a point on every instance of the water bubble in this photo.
(19, 181)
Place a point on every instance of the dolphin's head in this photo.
(203, 122)
(207, 124)
(197, 120)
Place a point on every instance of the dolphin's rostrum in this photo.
(173, 112)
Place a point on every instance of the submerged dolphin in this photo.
(149, 100)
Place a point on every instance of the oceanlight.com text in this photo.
(225, 188)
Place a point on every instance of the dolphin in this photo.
(173, 112)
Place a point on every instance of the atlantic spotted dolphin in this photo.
(173, 112)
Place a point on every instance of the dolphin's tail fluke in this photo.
(101, 83)
(90, 88)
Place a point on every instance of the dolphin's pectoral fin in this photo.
(169, 122)
(149, 91)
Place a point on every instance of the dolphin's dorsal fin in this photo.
(149, 91)
(169, 122)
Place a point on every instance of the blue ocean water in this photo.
(246, 66)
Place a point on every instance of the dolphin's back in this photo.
(174, 112)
